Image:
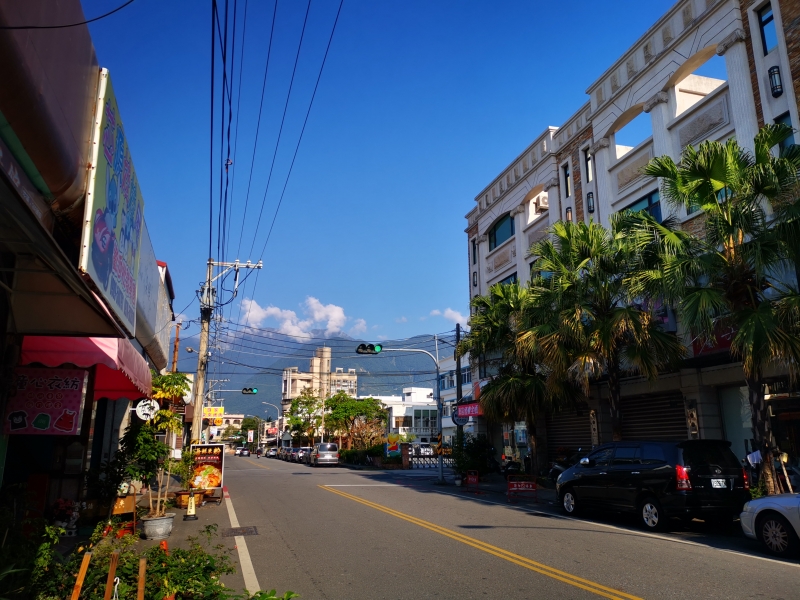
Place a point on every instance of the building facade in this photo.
(413, 413)
(706, 70)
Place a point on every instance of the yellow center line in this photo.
(522, 561)
(257, 464)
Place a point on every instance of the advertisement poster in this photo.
(114, 214)
(46, 402)
(250, 436)
(214, 414)
(208, 467)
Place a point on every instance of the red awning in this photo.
(121, 371)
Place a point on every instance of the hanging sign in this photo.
(146, 409)
(46, 401)
(209, 462)
(458, 420)
(250, 436)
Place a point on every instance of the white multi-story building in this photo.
(412, 413)
(449, 380)
(319, 379)
(706, 70)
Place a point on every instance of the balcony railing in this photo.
(415, 430)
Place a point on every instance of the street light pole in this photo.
(436, 396)
(277, 419)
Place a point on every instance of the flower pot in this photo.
(158, 528)
(182, 499)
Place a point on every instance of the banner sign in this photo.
(214, 412)
(46, 402)
(114, 215)
(209, 463)
(470, 410)
(250, 436)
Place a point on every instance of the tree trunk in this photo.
(614, 400)
(530, 425)
(763, 434)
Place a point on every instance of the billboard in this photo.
(46, 402)
(114, 216)
(209, 466)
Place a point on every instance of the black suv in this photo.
(658, 480)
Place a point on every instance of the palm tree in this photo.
(596, 300)
(737, 286)
(518, 391)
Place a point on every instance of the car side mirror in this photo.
(587, 462)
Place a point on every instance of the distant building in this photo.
(414, 412)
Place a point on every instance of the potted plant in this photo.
(148, 460)
(183, 469)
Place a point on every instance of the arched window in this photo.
(501, 231)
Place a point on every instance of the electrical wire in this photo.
(108, 14)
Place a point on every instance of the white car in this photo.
(775, 522)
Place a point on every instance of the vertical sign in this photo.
(250, 435)
(46, 402)
(209, 462)
(114, 216)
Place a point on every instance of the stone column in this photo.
(483, 273)
(604, 194)
(658, 108)
(520, 243)
(743, 106)
(553, 200)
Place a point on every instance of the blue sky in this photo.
(420, 105)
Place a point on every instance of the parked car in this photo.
(244, 452)
(658, 480)
(563, 463)
(422, 450)
(775, 522)
(238, 451)
(325, 453)
(272, 453)
(302, 454)
(293, 452)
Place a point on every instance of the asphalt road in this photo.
(334, 533)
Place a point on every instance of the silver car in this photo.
(325, 453)
(775, 522)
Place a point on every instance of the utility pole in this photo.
(208, 296)
(459, 428)
(175, 347)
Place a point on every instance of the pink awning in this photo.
(121, 371)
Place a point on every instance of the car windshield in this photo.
(701, 454)
(328, 447)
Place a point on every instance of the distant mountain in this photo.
(258, 359)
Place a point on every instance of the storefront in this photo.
(69, 400)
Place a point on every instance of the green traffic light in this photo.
(255, 390)
(378, 348)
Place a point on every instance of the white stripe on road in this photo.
(248, 572)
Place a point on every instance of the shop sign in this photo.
(214, 412)
(114, 215)
(146, 409)
(208, 468)
(272, 431)
(46, 402)
(470, 410)
(458, 420)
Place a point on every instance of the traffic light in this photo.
(369, 349)
(249, 390)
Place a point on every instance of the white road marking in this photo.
(248, 572)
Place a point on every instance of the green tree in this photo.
(595, 302)
(737, 287)
(352, 417)
(170, 386)
(305, 415)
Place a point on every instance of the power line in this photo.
(108, 14)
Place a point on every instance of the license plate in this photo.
(719, 483)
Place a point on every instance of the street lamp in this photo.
(377, 348)
(277, 418)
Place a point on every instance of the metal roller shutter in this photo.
(568, 430)
(654, 417)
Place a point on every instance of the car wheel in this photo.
(777, 535)
(569, 502)
(651, 514)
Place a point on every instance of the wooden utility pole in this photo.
(175, 347)
(459, 428)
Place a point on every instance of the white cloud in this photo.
(401, 320)
(375, 326)
(360, 326)
(382, 337)
(450, 315)
(317, 315)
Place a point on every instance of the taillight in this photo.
(683, 478)
(316, 455)
(746, 479)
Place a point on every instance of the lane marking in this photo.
(363, 485)
(553, 573)
(259, 465)
(248, 572)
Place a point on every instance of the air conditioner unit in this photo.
(542, 203)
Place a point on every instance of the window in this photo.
(466, 375)
(403, 422)
(651, 203)
(602, 457)
(785, 119)
(652, 454)
(446, 409)
(766, 22)
(425, 418)
(626, 455)
(501, 231)
(510, 279)
(587, 161)
(474, 252)
(567, 186)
